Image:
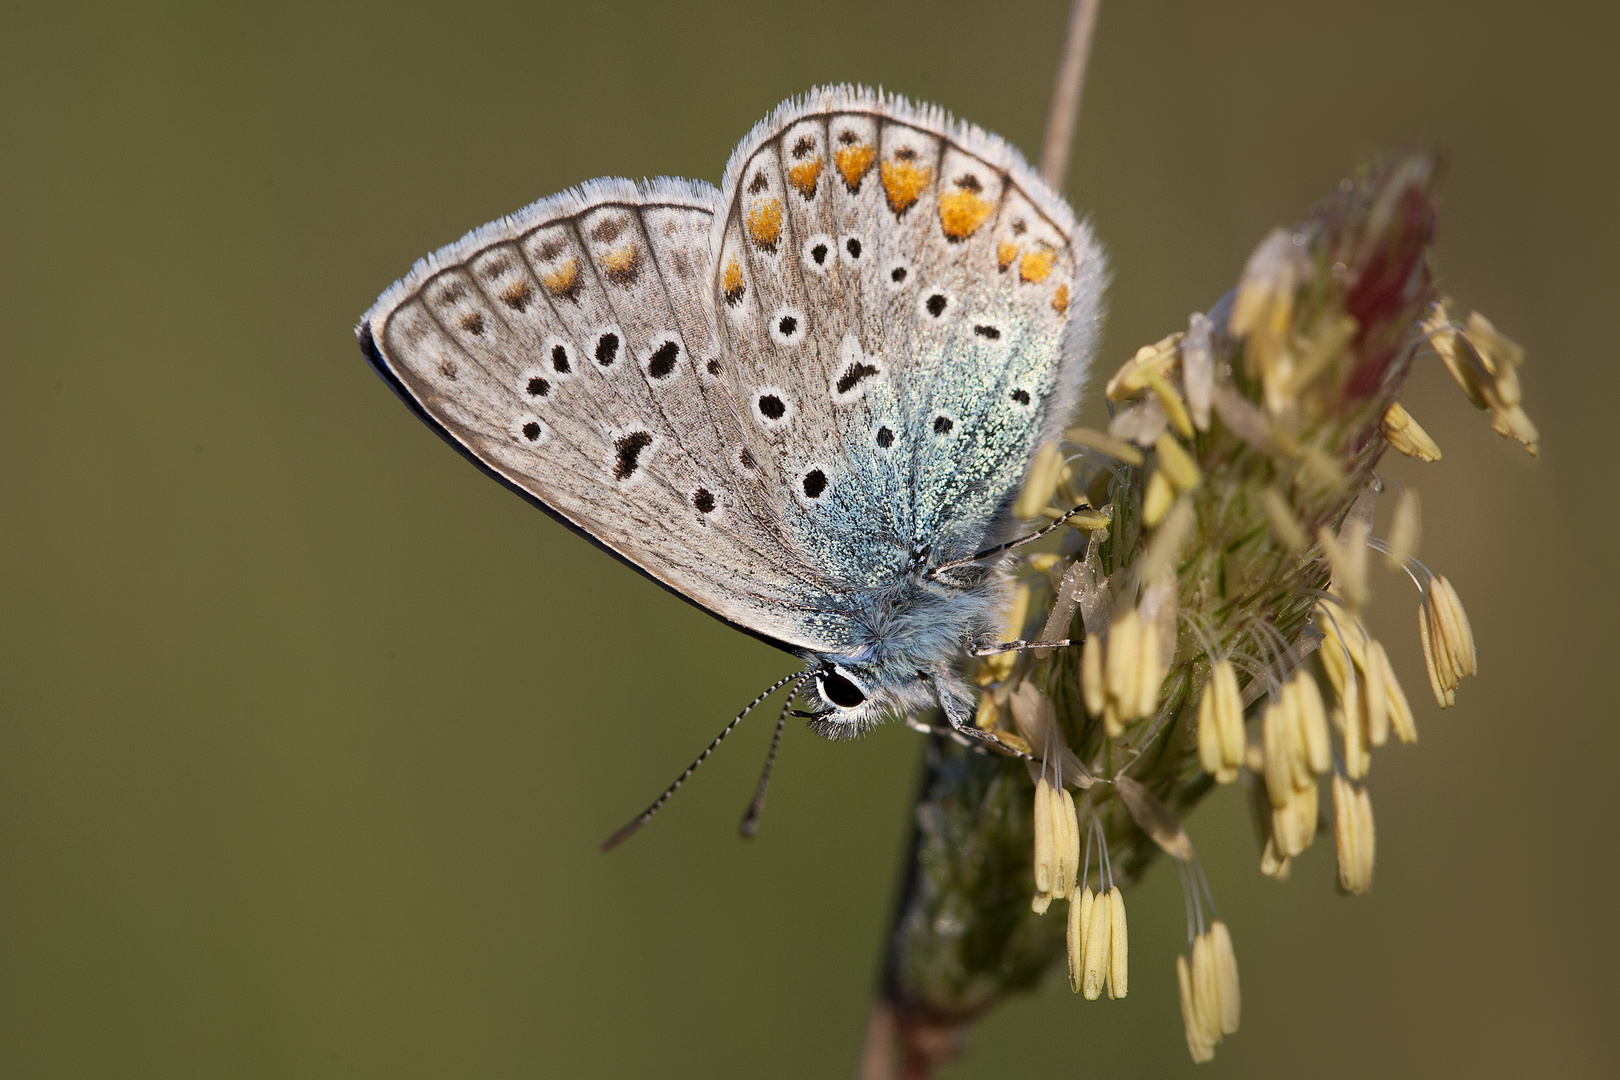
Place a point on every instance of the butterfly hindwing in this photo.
(945, 340)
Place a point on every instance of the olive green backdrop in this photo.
(308, 732)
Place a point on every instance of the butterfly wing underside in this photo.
(767, 398)
(569, 351)
(927, 301)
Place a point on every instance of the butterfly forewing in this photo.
(567, 351)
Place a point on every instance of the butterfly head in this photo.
(850, 698)
(908, 666)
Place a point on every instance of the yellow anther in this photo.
(1066, 824)
(1515, 423)
(1206, 988)
(1499, 354)
(1299, 756)
(1407, 435)
(1348, 718)
(1211, 752)
(1197, 1045)
(1277, 734)
(1089, 521)
(1377, 697)
(1174, 407)
(1156, 359)
(1079, 920)
(986, 718)
(1444, 693)
(1265, 296)
(1284, 525)
(1099, 945)
(1457, 634)
(1176, 463)
(1093, 688)
(1293, 825)
(1057, 845)
(1354, 837)
(1122, 664)
(1045, 856)
(1273, 865)
(1119, 946)
(1228, 713)
(1485, 364)
(1226, 977)
(1157, 499)
(1448, 640)
(1312, 723)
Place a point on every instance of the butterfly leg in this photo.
(991, 552)
(1021, 645)
(960, 718)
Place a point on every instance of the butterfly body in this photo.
(791, 400)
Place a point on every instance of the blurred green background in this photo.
(308, 732)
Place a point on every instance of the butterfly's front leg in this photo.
(957, 703)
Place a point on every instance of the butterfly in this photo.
(803, 401)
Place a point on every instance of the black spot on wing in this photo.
(627, 453)
(662, 361)
(853, 375)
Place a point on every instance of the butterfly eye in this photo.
(840, 691)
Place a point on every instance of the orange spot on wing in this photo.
(961, 212)
(517, 295)
(731, 283)
(765, 223)
(1060, 299)
(804, 176)
(852, 162)
(563, 281)
(1006, 252)
(903, 182)
(621, 266)
(1037, 264)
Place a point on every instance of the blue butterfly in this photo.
(803, 402)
